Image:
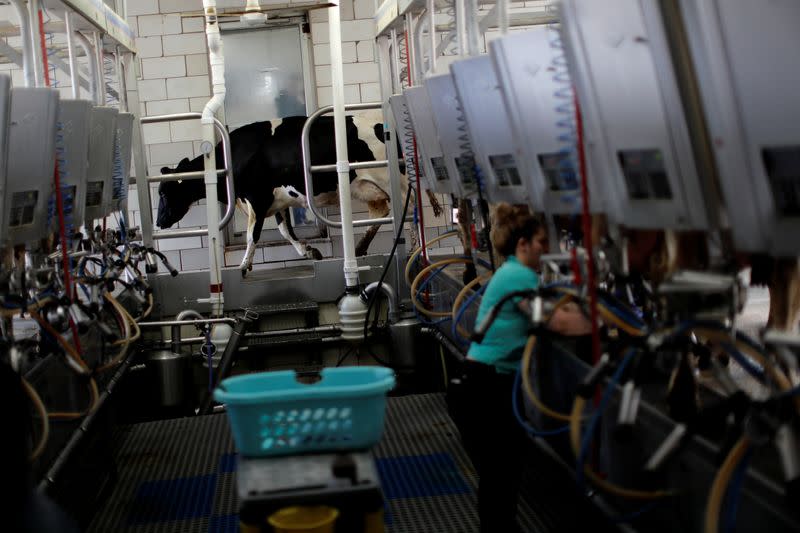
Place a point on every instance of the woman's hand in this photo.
(569, 320)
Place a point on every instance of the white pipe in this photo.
(342, 162)
(432, 35)
(216, 55)
(252, 5)
(101, 71)
(27, 52)
(73, 60)
(502, 16)
(122, 82)
(471, 26)
(419, 64)
(461, 26)
(36, 43)
(88, 51)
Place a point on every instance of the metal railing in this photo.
(227, 172)
(308, 168)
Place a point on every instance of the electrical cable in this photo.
(575, 438)
(524, 423)
(721, 481)
(422, 273)
(45, 434)
(458, 331)
(415, 254)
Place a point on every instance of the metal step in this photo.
(287, 340)
(276, 309)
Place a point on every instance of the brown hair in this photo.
(510, 224)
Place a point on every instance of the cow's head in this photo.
(174, 200)
(379, 133)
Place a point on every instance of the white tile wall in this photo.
(177, 6)
(197, 65)
(188, 87)
(170, 153)
(365, 51)
(187, 43)
(164, 107)
(142, 7)
(149, 46)
(152, 90)
(164, 67)
(196, 259)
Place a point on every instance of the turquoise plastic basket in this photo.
(271, 413)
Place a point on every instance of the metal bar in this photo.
(73, 59)
(199, 174)
(306, 152)
(353, 166)
(226, 153)
(161, 323)
(179, 234)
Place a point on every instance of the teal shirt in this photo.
(508, 333)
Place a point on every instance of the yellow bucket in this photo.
(305, 519)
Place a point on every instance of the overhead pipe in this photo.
(27, 46)
(74, 75)
(502, 16)
(88, 50)
(101, 75)
(432, 36)
(216, 54)
(36, 44)
(471, 26)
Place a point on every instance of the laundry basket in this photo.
(271, 413)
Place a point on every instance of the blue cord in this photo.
(749, 366)
(588, 435)
(460, 314)
(734, 494)
(522, 422)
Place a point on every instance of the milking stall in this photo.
(405, 266)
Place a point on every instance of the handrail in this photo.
(308, 168)
(228, 171)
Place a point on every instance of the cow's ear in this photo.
(166, 170)
(378, 129)
(184, 161)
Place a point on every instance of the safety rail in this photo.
(227, 172)
(308, 168)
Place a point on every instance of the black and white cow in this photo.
(268, 177)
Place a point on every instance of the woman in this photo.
(491, 434)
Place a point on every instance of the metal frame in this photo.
(308, 168)
(228, 171)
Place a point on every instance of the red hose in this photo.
(59, 201)
(587, 234)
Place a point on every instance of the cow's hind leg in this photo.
(464, 224)
(366, 240)
(252, 224)
(286, 229)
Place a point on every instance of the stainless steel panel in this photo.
(320, 281)
(488, 126)
(539, 108)
(405, 133)
(101, 162)
(264, 75)
(32, 140)
(622, 70)
(452, 131)
(74, 122)
(419, 106)
(752, 107)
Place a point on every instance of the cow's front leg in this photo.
(247, 260)
(286, 229)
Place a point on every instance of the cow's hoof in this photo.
(244, 272)
(437, 210)
(313, 253)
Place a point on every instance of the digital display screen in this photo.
(645, 174)
(559, 171)
(439, 169)
(783, 169)
(505, 168)
(94, 193)
(23, 208)
(466, 170)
